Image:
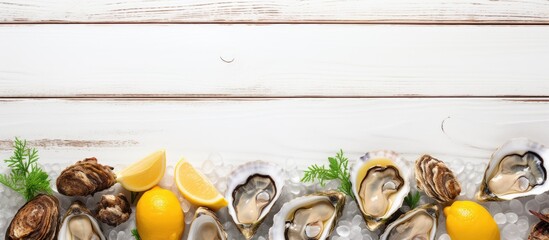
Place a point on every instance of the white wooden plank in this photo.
(301, 131)
(409, 11)
(273, 60)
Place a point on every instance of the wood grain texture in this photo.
(272, 61)
(300, 131)
(287, 11)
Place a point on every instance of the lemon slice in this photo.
(196, 188)
(144, 174)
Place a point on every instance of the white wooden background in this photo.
(284, 81)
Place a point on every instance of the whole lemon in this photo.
(159, 216)
(466, 220)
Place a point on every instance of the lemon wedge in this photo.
(145, 173)
(196, 188)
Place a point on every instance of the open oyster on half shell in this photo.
(38, 219)
(251, 192)
(380, 182)
(79, 224)
(436, 179)
(419, 223)
(84, 178)
(517, 169)
(206, 226)
(311, 217)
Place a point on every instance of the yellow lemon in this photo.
(466, 220)
(196, 188)
(159, 216)
(144, 174)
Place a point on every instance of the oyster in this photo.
(206, 226)
(419, 223)
(541, 230)
(86, 177)
(113, 210)
(436, 179)
(380, 182)
(311, 217)
(251, 192)
(79, 224)
(517, 169)
(37, 219)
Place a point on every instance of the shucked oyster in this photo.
(380, 182)
(251, 192)
(113, 210)
(86, 177)
(516, 169)
(311, 217)
(79, 224)
(419, 223)
(436, 179)
(37, 219)
(206, 226)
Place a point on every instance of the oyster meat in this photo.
(541, 230)
(436, 179)
(311, 217)
(113, 210)
(516, 169)
(251, 192)
(37, 219)
(79, 224)
(419, 223)
(206, 226)
(380, 182)
(86, 177)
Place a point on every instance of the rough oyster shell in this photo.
(252, 190)
(206, 226)
(37, 219)
(113, 210)
(540, 231)
(517, 169)
(419, 223)
(380, 182)
(436, 179)
(85, 177)
(78, 223)
(320, 212)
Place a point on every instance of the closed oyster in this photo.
(113, 210)
(86, 177)
(540, 231)
(517, 169)
(79, 224)
(436, 179)
(251, 192)
(37, 219)
(380, 182)
(206, 226)
(419, 223)
(312, 217)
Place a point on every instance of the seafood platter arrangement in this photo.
(380, 195)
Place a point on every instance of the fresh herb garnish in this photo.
(337, 169)
(26, 177)
(135, 234)
(412, 199)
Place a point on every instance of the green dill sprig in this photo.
(412, 199)
(25, 177)
(135, 234)
(338, 169)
